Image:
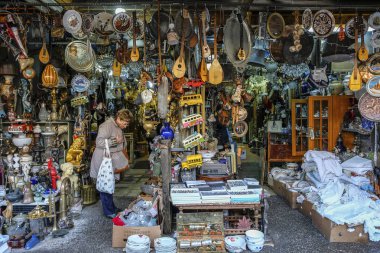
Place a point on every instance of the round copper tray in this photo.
(369, 107)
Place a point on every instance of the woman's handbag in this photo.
(105, 181)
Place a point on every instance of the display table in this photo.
(256, 207)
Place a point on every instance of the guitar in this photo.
(135, 52)
(363, 51)
(205, 48)
(355, 82)
(202, 67)
(179, 67)
(43, 56)
(215, 73)
(241, 55)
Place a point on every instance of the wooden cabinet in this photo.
(323, 122)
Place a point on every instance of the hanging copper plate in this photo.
(276, 50)
(87, 23)
(373, 86)
(373, 64)
(103, 23)
(121, 22)
(374, 20)
(364, 72)
(275, 25)
(369, 107)
(323, 23)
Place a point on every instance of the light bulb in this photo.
(118, 10)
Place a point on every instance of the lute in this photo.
(135, 55)
(363, 51)
(355, 82)
(179, 67)
(241, 55)
(202, 67)
(43, 56)
(215, 73)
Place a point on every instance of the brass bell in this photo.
(28, 194)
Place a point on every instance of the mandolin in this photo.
(202, 67)
(215, 73)
(43, 56)
(116, 68)
(355, 82)
(135, 52)
(205, 48)
(363, 51)
(179, 67)
(241, 55)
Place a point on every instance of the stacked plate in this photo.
(137, 244)
(165, 245)
(255, 240)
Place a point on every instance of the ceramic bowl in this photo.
(254, 235)
(21, 142)
(235, 244)
(255, 248)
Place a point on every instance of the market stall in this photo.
(205, 84)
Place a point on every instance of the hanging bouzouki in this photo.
(202, 67)
(241, 55)
(355, 82)
(43, 56)
(179, 67)
(116, 68)
(215, 73)
(135, 52)
(363, 51)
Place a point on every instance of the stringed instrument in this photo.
(179, 67)
(202, 70)
(135, 56)
(363, 51)
(241, 55)
(205, 48)
(43, 56)
(116, 68)
(215, 73)
(355, 82)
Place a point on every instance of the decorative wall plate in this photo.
(369, 107)
(275, 25)
(87, 23)
(307, 19)
(373, 64)
(72, 21)
(375, 39)
(122, 22)
(350, 28)
(373, 86)
(374, 20)
(103, 23)
(323, 23)
(29, 73)
(240, 128)
(242, 113)
(146, 96)
(80, 35)
(80, 83)
(77, 56)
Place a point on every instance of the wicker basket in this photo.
(89, 194)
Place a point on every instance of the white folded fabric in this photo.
(358, 165)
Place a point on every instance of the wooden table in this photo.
(257, 207)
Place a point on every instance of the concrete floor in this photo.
(290, 230)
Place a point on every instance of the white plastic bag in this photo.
(105, 181)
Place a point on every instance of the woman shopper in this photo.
(112, 132)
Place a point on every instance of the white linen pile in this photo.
(358, 165)
(327, 165)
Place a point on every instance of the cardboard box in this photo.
(279, 188)
(291, 198)
(120, 234)
(338, 233)
(306, 207)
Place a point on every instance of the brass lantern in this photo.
(50, 77)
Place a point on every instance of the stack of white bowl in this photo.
(137, 244)
(255, 240)
(165, 245)
(235, 244)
